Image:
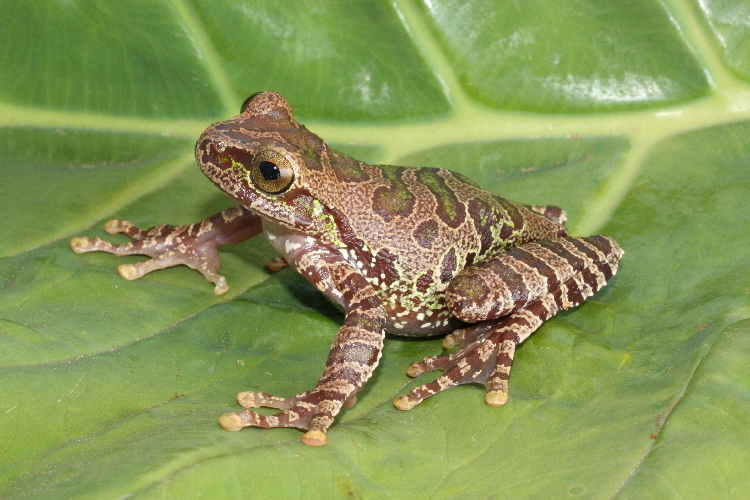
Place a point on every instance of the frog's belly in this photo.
(420, 322)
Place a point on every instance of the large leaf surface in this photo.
(634, 116)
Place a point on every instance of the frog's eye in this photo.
(271, 172)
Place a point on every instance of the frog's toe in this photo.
(250, 399)
(140, 269)
(82, 244)
(276, 264)
(469, 339)
(116, 226)
(419, 394)
(417, 369)
(220, 285)
(247, 418)
(406, 402)
(465, 336)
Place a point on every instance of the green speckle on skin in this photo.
(426, 233)
(450, 209)
(316, 209)
(398, 199)
(484, 216)
(353, 173)
(226, 158)
(331, 229)
(309, 151)
(347, 169)
(325, 221)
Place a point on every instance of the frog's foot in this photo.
(312, 411)
(486, 358)
(166, 245)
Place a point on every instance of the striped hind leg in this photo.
(488, 347)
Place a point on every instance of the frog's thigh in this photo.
(522, 275)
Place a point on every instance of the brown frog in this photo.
(402, 250)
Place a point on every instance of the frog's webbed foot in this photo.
(486, 358)
(487, 348)
(313, 411)
(193, 245)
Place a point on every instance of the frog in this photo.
(404, 251)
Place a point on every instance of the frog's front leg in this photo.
(193, 245)
(353, 357)
(510, 296)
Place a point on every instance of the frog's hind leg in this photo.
(488, 348)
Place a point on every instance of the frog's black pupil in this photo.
(269, 170)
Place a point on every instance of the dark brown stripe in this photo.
(560, 249)
(590, 277)
(481, 216)
(448, 266)
(588, 247)
(536, 264)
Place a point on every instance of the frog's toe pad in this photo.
(231, 421)
(315, 438)
(496, 397)
(248, 418)
(129, 271)
(246, 399)
(416, 369)
(80, 244)
(115, 226)
(405, 403)
(220, 285)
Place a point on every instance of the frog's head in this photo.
(266, 160)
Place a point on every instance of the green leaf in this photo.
(633, 116)
(581, 57)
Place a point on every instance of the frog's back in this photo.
(423, 225)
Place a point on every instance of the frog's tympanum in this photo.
(402, 250)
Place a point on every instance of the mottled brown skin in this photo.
(408, 251)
